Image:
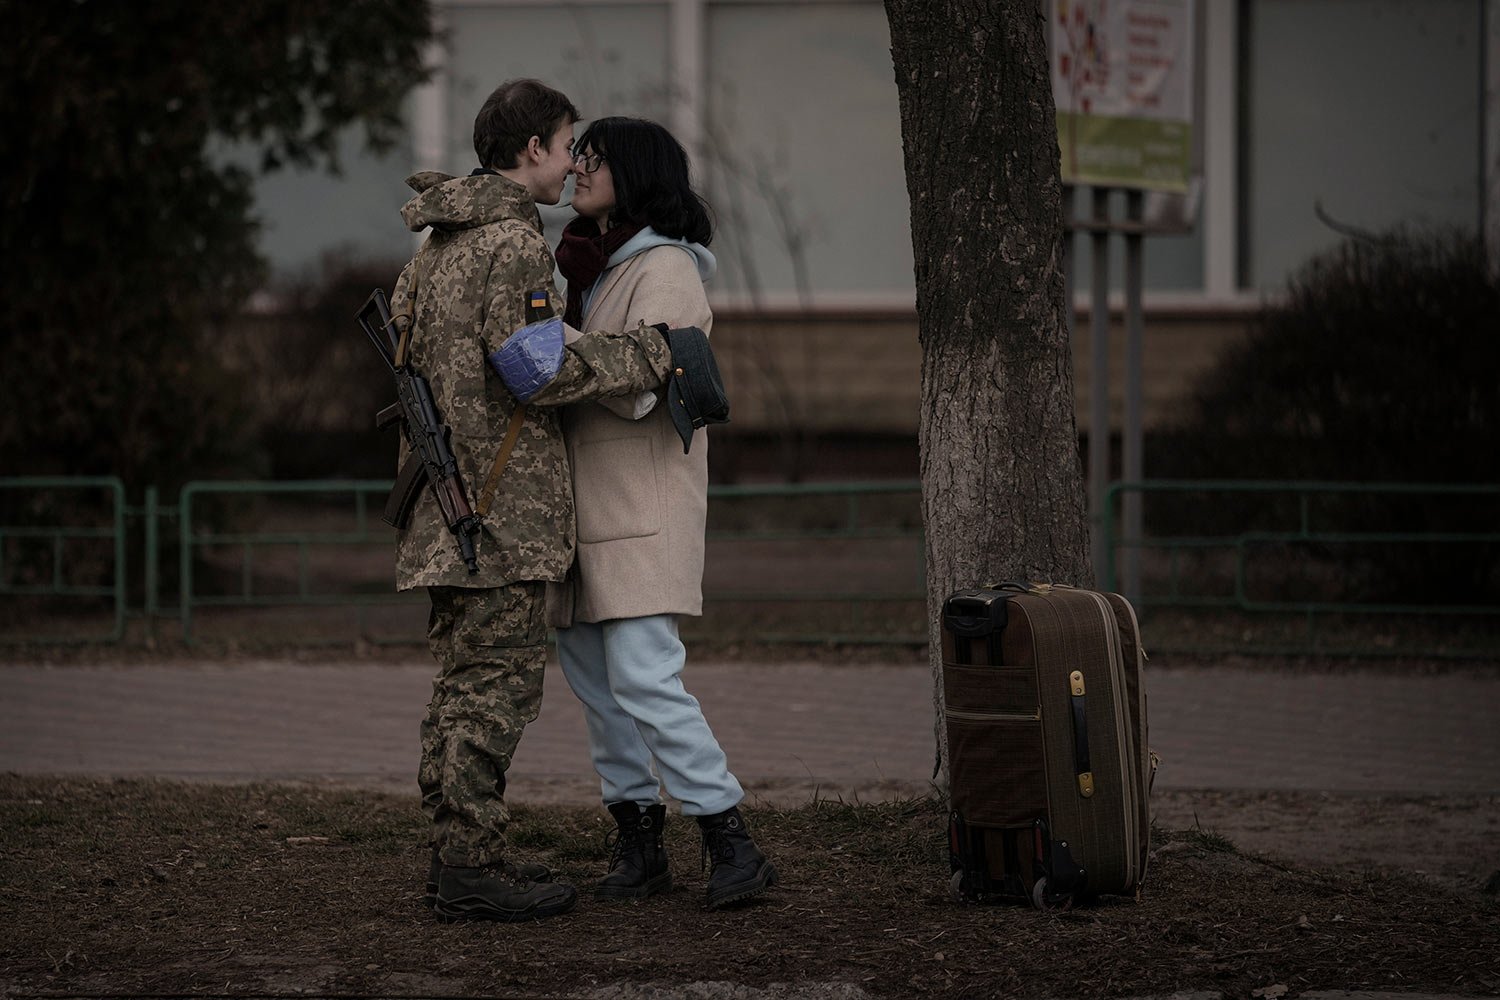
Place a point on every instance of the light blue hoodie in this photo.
(648, 239)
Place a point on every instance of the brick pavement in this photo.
(790, 729)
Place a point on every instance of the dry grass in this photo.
(154, 887)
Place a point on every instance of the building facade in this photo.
(1312, 114)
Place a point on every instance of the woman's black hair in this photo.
(650, 173)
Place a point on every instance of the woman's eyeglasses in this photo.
(587, 163)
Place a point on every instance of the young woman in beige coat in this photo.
(638, 251)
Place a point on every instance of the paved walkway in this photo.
(791, 730)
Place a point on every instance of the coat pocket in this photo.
(617, 487)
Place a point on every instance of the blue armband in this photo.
(530, 358)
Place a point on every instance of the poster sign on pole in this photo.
(1122, 79)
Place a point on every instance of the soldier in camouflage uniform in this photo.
(465, 291)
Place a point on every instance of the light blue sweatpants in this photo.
(627, 672)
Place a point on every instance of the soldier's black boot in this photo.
(535, 872)
(739, 870)
(498, 892)
(638, 862)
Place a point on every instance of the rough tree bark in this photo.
(1002, 485)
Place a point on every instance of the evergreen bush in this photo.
(1381, 364)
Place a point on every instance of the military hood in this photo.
(445, 202)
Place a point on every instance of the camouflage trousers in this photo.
(490, 647)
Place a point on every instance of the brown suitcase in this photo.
(1049, 769)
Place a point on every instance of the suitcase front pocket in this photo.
(997, 773)
(984, 690)
(995, 767)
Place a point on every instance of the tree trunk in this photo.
(1002, 484)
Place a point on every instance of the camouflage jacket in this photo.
(465, 289)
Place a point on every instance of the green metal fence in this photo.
(303, 544)
(1222, 565)
(275, 559)
(43, 558)
(1338, 559)
(815, 563)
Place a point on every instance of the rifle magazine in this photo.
(403, 498)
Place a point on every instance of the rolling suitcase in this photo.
(1049, 769)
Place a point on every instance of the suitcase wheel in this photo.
(958, 889)
(1041, 899)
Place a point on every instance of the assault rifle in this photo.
(431, 460)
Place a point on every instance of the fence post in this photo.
(1130, 434)
(115, 486)
(185, 559)
(1107, 542)
(153, 561)
(1099, 450)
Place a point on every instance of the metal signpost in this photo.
(1123, 80)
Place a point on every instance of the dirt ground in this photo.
(154, 887)
(135, 888)
(1446, 840)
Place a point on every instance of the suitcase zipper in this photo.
(1147, 766)
(993, 716)
(1129, 766)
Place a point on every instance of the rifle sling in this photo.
(512, 432)
(404, 341)
(492, 482)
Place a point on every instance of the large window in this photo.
(1369, 108)
(803, 141)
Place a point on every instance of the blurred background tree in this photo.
(128, 244)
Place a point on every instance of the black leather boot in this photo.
(739, 870)
(498, 892)
(638, 862)
(535, 872)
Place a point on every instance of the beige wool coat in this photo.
(641, 503)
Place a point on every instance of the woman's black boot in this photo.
(638, 862)
(740, 870)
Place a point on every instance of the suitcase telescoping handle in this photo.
(973, 613)
(1022, 587)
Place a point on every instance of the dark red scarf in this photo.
(582, 256)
